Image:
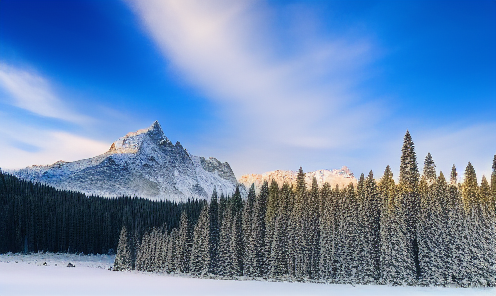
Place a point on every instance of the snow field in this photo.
(91, 277)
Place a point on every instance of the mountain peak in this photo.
(132, 141)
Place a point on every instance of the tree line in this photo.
(35, 217)
(424, 230)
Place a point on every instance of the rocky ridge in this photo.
(341, 177)
(144, 163)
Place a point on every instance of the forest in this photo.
(425, 229)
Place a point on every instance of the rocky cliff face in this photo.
(341, 177)
(144, 164)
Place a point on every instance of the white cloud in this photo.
(22, 145)
(24, 141)
(33, 93)
(285, 99)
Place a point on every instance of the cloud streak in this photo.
(23, 145)
(31, 92)
(295, 99)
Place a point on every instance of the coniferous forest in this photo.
(426, 229)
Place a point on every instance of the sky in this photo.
(263, 85)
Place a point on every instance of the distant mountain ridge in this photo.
(144, 163)
(341, 177)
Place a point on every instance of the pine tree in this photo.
(270, 217)
(458, 243)
(474, 222)
(397, 266)
(409, 179)
(493, 184)
(278, 259)
(327, 233)
(184, 244)
(370, 231)
(259, 258)
(488, 234)
(313, 231)
(431, 232)
(123, 256)
(200, 252)
(225, 264)
(297, 230)
(236, 244)
(247, 226)
(429, 169)
(214, 234)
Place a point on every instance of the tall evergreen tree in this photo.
(429, 169)
(123, 256)
(278, 259)
(493, 183)
(327, 233)
(397, 266)
(184, 244)
(247, 226)
(259, 257)
(371, 217)
(474, 221)
(200, 252)
(409, 179)
(214, 233)
(237, 243)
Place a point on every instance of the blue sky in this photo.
(264, 85)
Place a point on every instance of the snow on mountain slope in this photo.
(144, 163)
(341, 177)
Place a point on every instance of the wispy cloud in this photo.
(29, 91)
(24, 145)
(295, 99)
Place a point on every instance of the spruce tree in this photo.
(493, 184)
(200, 252)
(123, 256)
(214, 233)
(327, 233)
(409, 179)
(225, 264)
(297, 227)
(370, 215)
(278, 259)
(259, 257)
(184, 244)
(313, 231)
(429, 169)
(247, 226)
(397, 266)
(474, 221)
(237, 244)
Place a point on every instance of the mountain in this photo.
(341, 177)
(143, 163)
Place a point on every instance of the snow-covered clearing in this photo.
(90, 277)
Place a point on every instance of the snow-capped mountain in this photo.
(143, 163)
(341, 177)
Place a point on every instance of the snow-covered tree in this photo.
(397, 266)
(247, 225)
(409, 179)
(200, 252)
(259, 258)
(214, 233)
(123, 256)
(278, 259)
(183, 246)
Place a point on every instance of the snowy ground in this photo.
(90, 277)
